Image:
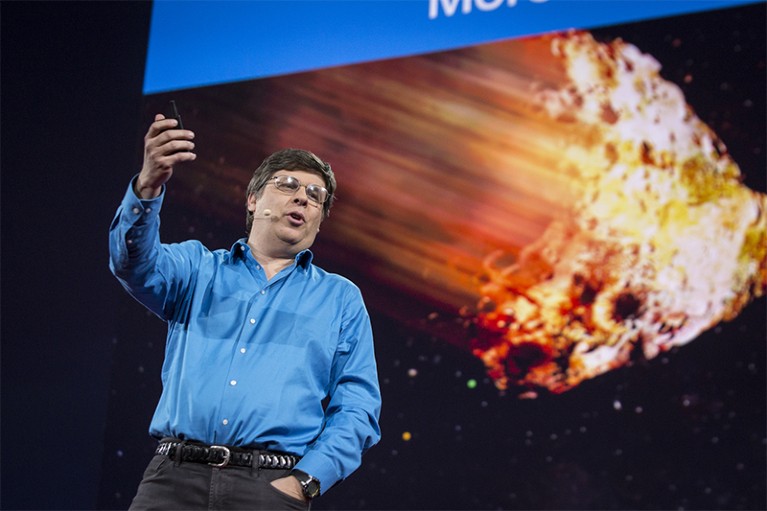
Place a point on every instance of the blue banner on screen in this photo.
(200, 43)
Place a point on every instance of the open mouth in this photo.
(296, 218)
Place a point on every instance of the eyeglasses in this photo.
(290, 184)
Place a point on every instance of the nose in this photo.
(300, 197)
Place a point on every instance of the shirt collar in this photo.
(240, 248)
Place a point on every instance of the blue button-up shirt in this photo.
(249, 361)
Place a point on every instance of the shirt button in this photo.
(136, 210)
(148, 210)
(243, 350)
(130, 242)
(252, 321)
(233, 383)
(225, 422)
(263, 291)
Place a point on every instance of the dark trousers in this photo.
(168, 485)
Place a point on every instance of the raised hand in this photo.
(164, 147)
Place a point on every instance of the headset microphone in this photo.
(267, 212)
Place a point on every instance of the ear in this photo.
(251, 202)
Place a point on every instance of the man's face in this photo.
(293, 217)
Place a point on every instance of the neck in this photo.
(273, 257)
(271, 264)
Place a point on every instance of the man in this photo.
(270, 391)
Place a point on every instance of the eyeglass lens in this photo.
(290, 184)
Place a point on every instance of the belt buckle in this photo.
(227, 455)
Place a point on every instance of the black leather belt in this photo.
(222, 455)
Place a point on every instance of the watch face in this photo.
(309, 484)
(312, 488)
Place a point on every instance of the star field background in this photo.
(683, 431)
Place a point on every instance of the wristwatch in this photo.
(310, 485)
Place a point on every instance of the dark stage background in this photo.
(81, 360)
(71, 100)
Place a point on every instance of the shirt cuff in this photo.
(319, 466)
(140, 210)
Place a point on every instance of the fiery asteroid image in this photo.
(663, 243)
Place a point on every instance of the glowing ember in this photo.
(664, 243)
